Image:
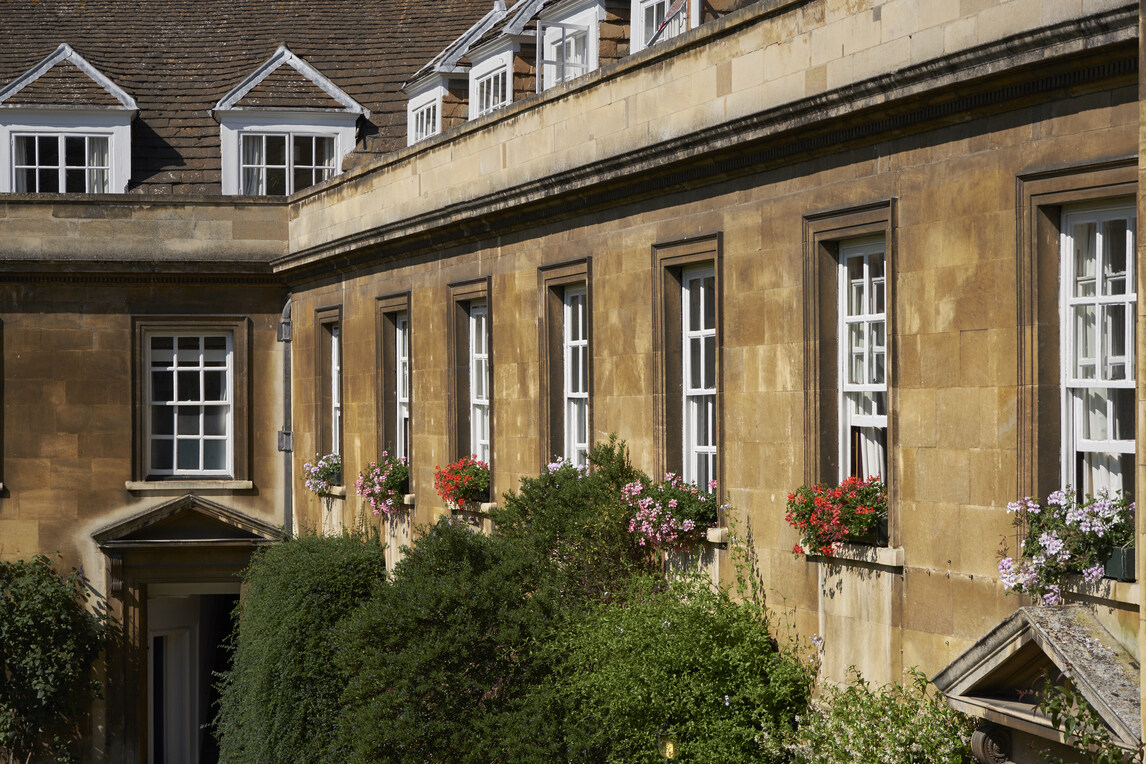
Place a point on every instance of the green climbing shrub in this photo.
(49, 640)
(281, 700)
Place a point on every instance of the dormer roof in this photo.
(65, 79)
(999, 678)
(286, 81)
(451, 60)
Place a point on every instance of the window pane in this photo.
(324, 152)
(26, 181)
(188, 351)
(214, 351)
(695, 379)
(98, 182)
(1084, 260)
(1094, 414)
(276, 150)
(162, 386)
(303, 150)
(214, 454)
(188, 420)
(694, 289)
(214, 386)
(709, 363)
(1122, 400)
(574, 371)
(303, 177)
(162, 420)
(162, 452)
(49, 151)
(75, 181)
(1084, 341)
(855, 290)
(74, 154)
(187, 454)
(709, 292)
(276, 181)
(49, 181)
(1114, 332)
(188, 385)
(214, 420)
(1114, 260)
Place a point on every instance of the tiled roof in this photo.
(179, 57)
(63, 84)
(284, 88)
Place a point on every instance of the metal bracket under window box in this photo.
(284, 331)
(286, 441)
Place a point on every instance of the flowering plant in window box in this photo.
(321, 474)
(671, 513)
(463, 481)
(827, 517)
(383, 483)
(1066, 534)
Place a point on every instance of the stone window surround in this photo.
(387, 309)
(551, 283)
(458, 387)
(669, 260)
(1042, 194)
(239, 328)
(824, 231)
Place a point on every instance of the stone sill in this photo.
(1105, 589)
(338, 491)
(474, 508)
(717, 536)
(165, 486)
(890, 557)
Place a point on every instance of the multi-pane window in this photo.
(61, 163)
(278, 164)
(402, 385)
(653, 14)
(335, 383)
(565, 52)
(698, 329)
(189, 404)
(493, 91)
(1097, 330)
(863, 358)
(425, 121)
(575, 358)
(479, 379)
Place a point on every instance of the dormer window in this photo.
(567, 41)
(284, 128)
(55, 163)
(276, 165)
(64, 128)
(659, 20)
(492, 91)
(426, 121)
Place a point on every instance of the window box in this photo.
(877, 536)
(1120, 566)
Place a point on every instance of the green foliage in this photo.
(579, 520)
(48, 642)
(685, 659)
(1082, 725)
(440, 662)
(280, 701)
(896, 724)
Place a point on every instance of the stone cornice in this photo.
(985, 79)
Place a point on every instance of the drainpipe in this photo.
(286, 435)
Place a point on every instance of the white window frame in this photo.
(689, 18)
(575, 364)
(863, 404)
(420, 103)
(497, 61)
(201, 437)
(698, 348)
(402, 385)
(479, 367)
(234, 124)
(336, 388)
(1112, 374)
(61, 167)
(115, 126)
(290, 164)
(579, 18)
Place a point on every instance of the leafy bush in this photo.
(281, 700)
(579, 520)
(827, 516)
(687, 660)
(48, 642)
(440, 661)
(1070, 534)
(895, 724)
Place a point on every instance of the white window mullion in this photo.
(479, 380)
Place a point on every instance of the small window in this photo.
(280, 164)
(1098, 335)
(190, 408)
(661, 20)
(862, 341)
(698, 372)
(575, 363)
(328, 378)
(492, 91)
(425, 122)
(61, 163)
(479, 368)
(402, 385)
(564, 52)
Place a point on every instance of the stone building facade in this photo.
(946, 151)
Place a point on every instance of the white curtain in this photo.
(98, 168)
(252, 164)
